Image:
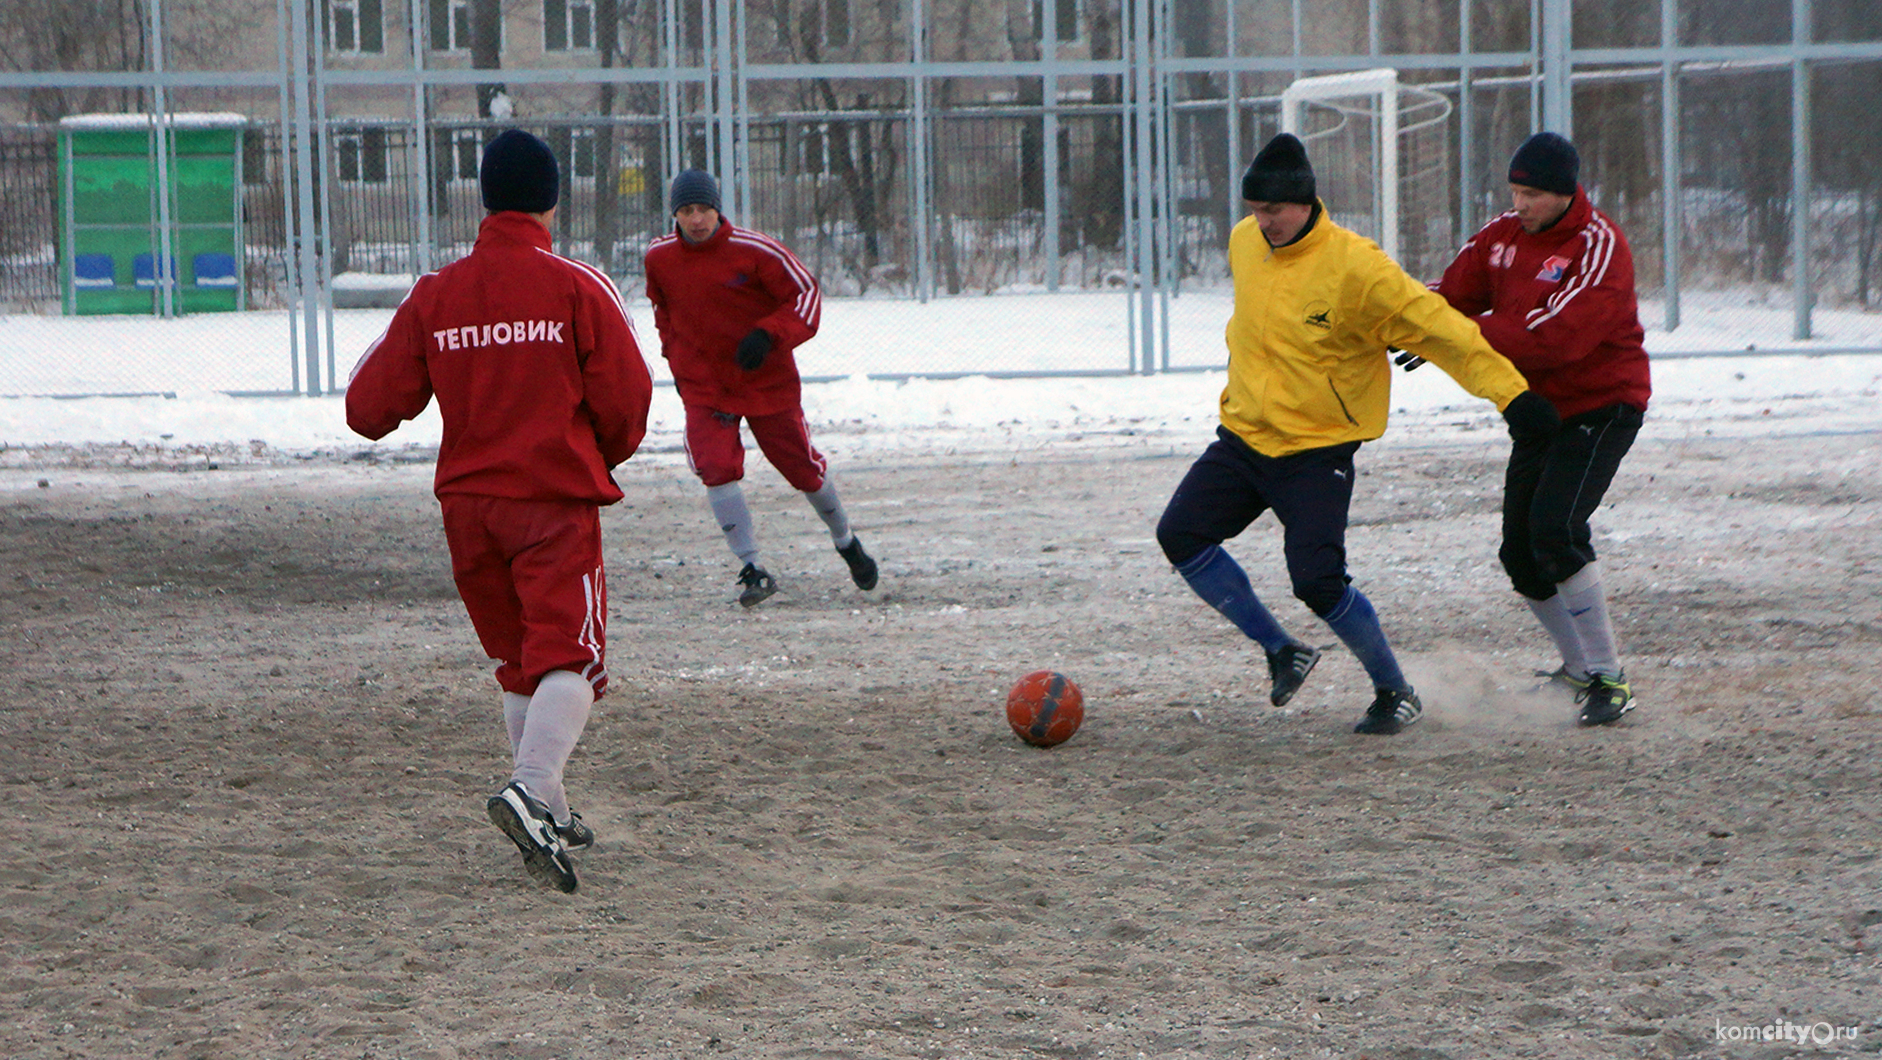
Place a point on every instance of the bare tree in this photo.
(1098, 192)
(70, 35)
(1848, 137)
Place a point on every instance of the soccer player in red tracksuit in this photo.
(543, 391)
(731, 305)
(1551, 283)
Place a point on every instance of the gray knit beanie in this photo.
(694, 187)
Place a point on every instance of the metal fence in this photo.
(931, 176)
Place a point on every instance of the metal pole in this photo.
(722, 113)
(419, 19)
(1535, 64)
(1388, 169)
(1144, 118)
(1298, 71)
(1233, 196)
(322, 137)
(1558, 113)
(921, 181)
(1672, 212)
(1467, 124)
(1804, 296)
(161, 135)
(68, 284)
(742, 127)
(670, 93)
(239, 227)
(304, 168)
(290, 273)
(1049, 93)
(1165, 185)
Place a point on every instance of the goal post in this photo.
(1381, 152)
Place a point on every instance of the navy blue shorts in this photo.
(1230, 485)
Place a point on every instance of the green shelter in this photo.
(132, 229)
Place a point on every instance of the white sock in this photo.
(515, 712)
(1561, 629)
(557, 714)
(734, 516)
(829, 508)
(1586, 602)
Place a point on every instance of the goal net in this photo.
(1381, 159)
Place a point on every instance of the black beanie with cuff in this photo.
(1280, 173)
(1546, 162)
(519, 173)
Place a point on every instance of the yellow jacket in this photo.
(1307, 340)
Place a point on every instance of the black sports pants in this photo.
(1550, 490)
(1230, 485)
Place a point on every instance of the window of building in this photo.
(361, 156)
(836, 22)
(467, 150)
(450, 25)
(1068, 19)
(581, 152)
(568, 25)
(355, 27)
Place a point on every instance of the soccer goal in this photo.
(1381, 157)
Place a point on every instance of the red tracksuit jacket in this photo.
(539, 379)
(707, 297)
(1559, 304)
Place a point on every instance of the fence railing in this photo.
(1111, 175)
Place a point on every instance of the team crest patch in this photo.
(1552, 270)
(1319, 316)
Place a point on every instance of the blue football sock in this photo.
(1220, 581)
(1357, 625)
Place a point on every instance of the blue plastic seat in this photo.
(93, 270)
(215, 270)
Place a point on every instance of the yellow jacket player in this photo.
(1309, 380)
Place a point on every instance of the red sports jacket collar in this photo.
(510, 226)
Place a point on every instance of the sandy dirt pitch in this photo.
(248, 735)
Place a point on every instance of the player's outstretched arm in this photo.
(390, 384)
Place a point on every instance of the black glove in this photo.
(1405, 359)
(1531, 417)
(753, 348)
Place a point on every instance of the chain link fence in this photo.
(1042, 206)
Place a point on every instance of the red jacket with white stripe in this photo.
(1559, 304)
(539, 379)
(707, 296)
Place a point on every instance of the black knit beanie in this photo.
(694, 187)
(519, 173)
(1546, 162)
(1280, 173)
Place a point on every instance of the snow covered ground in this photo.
(183, 365)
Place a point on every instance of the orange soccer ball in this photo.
(1045, 708)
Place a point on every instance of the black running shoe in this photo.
(1288, 668)
(1391, 712)
(756, 585)
(575, 835)
(528, 824)
(862, 568)
(1605, 700)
